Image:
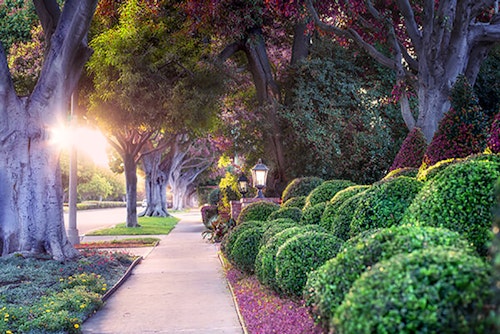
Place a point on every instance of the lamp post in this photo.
(243, 185)
(259, 176)
(72, 230)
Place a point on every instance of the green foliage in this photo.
(338, 213)
(427, 173)
(412, 151)
(265, 266)
(257, 211)
(460, 198)
(313, 214)
(295, 202)
(230, 238)
(300, 255)
(327, 286)
(245, 249)
(325, 191)
(276, 226)
(17, 17)
(487, 85)
(214, 197)
(384, 204)
(428, 291)
(463, 129)
(335, 130)
(288, 212)
(301, 186)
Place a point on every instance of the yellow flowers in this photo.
(76, 326)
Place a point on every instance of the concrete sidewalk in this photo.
(178, 288)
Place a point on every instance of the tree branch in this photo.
(228, 51)
(48, 12)
(7, 91)
(411, 24)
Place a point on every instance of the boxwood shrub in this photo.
(432, 290)
(495, 254)
(231, 237)
(265, 269)
(406, 171)
(337, 200)
(312, 214)
(274, 227)
(296, 202)
(327, 286)
(325, 191)
(427, 173)
(301, 186)
(257, 211)
(292, 213)
(412, 151)
(384, 204)
(461, 198)
(245, 249)
(300, 255)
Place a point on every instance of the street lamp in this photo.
(243, 185)
(259, 176)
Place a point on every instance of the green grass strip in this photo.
(148, 226)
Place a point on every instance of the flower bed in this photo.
(46, 296)
(263, 311)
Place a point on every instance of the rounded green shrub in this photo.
(301, 186)
(340, 218)
(231, 237)
(292, 213)
(495, 254)
(300, 255)
(257, 211)
(432, 290)
(274, 227)
(460, 198)
(312, 214)
(337, 200)
(325, 191)
(427, 173)
(245, 249)
(295, 202)
(327, 286)
(265, 269)
(384, 204)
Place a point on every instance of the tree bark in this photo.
(156, 186)
(31, 210)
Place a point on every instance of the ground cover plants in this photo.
(41, 295)
(120, 243)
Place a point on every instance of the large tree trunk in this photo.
(130, 167)
(156, 186)
(31, 211)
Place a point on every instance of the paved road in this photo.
(90, 220)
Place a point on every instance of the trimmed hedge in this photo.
(265, 269)
(276, 226)
(412, 151)
(460, 198)
(384, 204)
(313, 214)
(245, 249)
(327, 286)
(325, 191)
(295, 202)
(428, 291)
(331, 208)
(495, 254)
(292, 213)
(301, 186)
(427, 173)
(231, 237)
(300, 255)
(406, 171)
(257, 211)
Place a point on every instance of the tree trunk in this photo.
(31, 210)
(301, 42)
(130, 167)
(156, 186)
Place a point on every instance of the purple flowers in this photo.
(266, 312)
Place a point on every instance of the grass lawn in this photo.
(148, 226)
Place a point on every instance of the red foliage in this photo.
(412, 150)
(494, 140)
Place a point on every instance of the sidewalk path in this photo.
(178, 288)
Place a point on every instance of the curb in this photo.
(233, 296)
(122, 279)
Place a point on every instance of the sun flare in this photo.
(89, 142)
